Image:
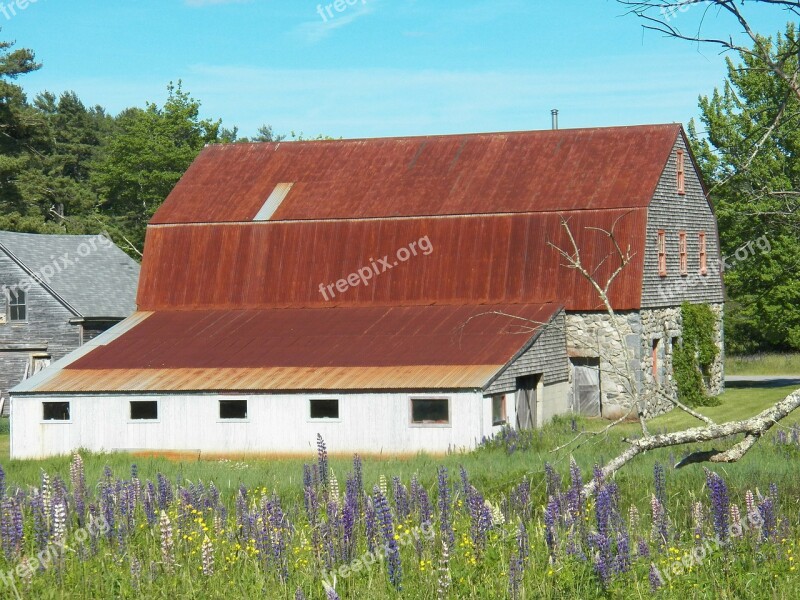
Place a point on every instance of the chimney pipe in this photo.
(554, 112)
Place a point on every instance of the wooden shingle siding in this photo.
(547, 356)
(674, 212)
(47, 329)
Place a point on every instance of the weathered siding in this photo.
(547, 356)
(92, 329)
(278, 423)
(672, 212)
(47, 330)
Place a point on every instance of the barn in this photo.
(394, 295)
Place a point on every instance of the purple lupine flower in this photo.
(515, 570)
(41, 532)
(370, 525)
(655, 578)
(464, 481)
(622, 560)
(659, 530)
(149, 503)
(550, 520)
(520, 499)
(769, 523)
(401, 499)
(164, 492)
(480, 516)
(602, 539)
(552, 481)
(299, 595)
(392, 551)
(349, 515)
(574, 495)
(330, 594)
(444, 503)
(136, 572)
(523, 543)
(660, 482)
(322, 461)
(720, 504)
(642, 549)
(2, 483)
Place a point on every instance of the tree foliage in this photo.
(750, 155)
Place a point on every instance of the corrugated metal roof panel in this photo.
(420, 347)
(478, 259)
(568, 169)
(273, 202)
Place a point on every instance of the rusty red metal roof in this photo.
(568, 169)
(415, 347)
(474, 260)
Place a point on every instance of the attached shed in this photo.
(382, 379)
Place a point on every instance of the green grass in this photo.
(763, 364)
(761, 571)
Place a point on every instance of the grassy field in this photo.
(287, 533)
(763, 364)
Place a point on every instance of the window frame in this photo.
(221, 419)
(703, 253)
(503, 410)
(662, 253)
(312, 419)
(684, 258)
(11, 304)
(437, 424)
(681, 172)
(66, 421)
(140, 421)
(656, 371)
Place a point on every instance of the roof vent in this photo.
(273, 202)
(554, 113)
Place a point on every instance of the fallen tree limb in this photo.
(753, 428)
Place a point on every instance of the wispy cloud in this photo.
(320, 27)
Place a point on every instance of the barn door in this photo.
(526, 401)
(587, 388)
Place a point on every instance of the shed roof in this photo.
(345, 348)
(89, 273)
(532, 171)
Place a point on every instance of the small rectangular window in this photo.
(682, 252)
(662, 253)
(324, 409)
(233, 409)
(430, 411)
(703, 255)
(681, 172)
(144, 410)
(55, 411)
(17, 305)
(499, 409)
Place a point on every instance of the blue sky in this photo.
(377, 68)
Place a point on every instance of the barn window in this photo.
(430, 411)
(662, 253)
(682, 252)
(17, 305)
(499, 409)
(681, 172)
(324, 409)
(232, 409)
(55, 411)
(703, 255)
(144, 410)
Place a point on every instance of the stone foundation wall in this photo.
(595, 335)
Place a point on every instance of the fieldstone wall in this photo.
(648, 334)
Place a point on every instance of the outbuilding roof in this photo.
(346, 348)
(88, 273)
